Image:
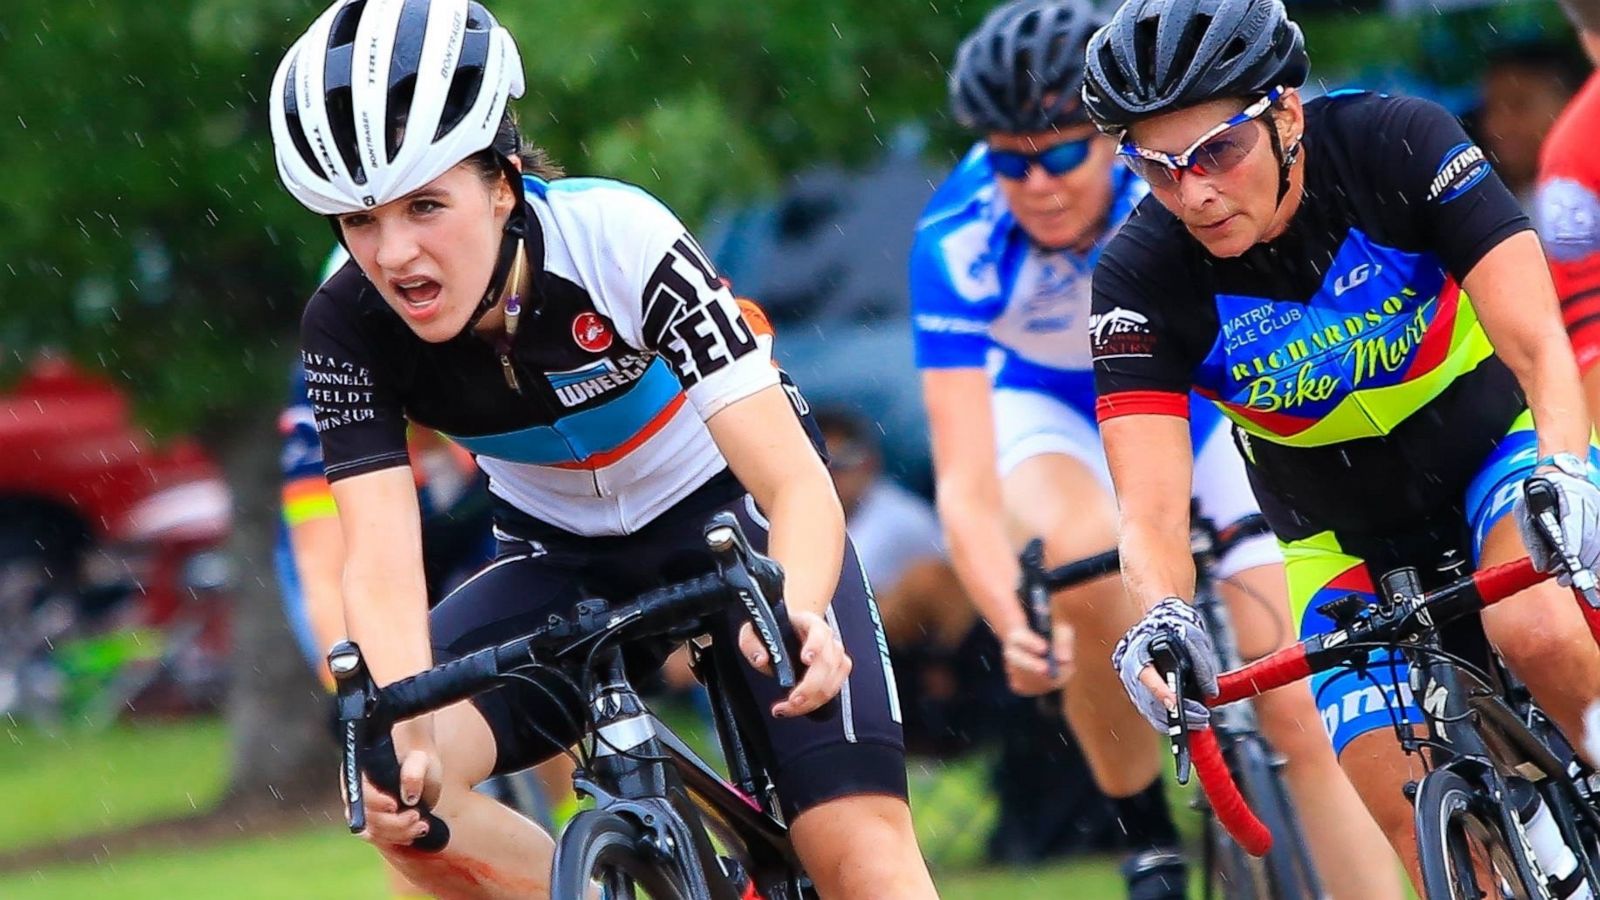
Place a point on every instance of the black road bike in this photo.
(1286, 872)
(1505, 808)
(665, 823)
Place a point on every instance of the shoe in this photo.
(1156, 874)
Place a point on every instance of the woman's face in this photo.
(431, 253)
(1058, 210)
(1227, 211)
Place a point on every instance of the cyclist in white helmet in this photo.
(573, 336)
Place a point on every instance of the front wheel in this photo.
(603, 855)
(1462, 845)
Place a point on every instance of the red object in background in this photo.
(70, 450)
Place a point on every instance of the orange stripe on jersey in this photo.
(756, 318)
(601, 460)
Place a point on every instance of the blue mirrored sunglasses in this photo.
(1058, 160)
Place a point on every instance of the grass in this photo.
(326, 863)
(64, 785)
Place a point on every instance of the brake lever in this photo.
(1036, 601)
(354, 699)
(1174, 668)
(1543, 506)
(756, 580)
(357, 701)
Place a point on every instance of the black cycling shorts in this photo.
(856, 749)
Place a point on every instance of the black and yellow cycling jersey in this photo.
(1364, 392)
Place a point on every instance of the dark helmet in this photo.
(1160, 55)
(1020, 71)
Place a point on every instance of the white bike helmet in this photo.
(380, 97)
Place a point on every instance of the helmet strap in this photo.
(512, 251)
(1286, 159)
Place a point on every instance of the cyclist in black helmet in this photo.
(1001, 267)
(1308, 266)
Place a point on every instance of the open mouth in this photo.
(419, 295)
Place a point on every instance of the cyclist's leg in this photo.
(841, 775)
(493, 852)
(1359, 710)
(1250, 579)
(1539, 633)
(1055, 486)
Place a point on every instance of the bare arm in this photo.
(771, 456)
(318, 548)
(385, 592)
(1516, 302)
(1152, 467)
(961, 426)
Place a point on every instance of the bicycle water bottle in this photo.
(1555, 858)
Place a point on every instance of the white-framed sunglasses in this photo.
(1218, 150)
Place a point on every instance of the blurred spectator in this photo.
(1525, 86)
(897, 537)
(1567, 210)
(947, 664)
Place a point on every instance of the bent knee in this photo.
(1290, 720)
(1543, 627)
(860, 846)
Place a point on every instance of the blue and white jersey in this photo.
(984, 295)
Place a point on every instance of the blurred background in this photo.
(162, 735)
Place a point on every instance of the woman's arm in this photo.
(768, 451)
(1511, 290)
(967, 485)
(385, 592)
(771, 456)
(318, 549)
(1152, 467)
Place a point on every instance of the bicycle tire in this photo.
(1449, 818)
(1232, 871)
(604, 848)
(1286, 870)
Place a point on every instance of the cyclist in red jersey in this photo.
(1567, 209)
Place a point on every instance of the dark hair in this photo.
(508, 141)
(848, 424)
(1559, 60)
(1584, 13)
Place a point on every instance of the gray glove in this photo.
(1132, 654)
(1578, 511)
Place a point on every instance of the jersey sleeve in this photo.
(1459, 208)
(684, 309)
(305, 494)
(1142, 364)
(954, 297)
(360, 422)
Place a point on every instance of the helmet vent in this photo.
(296, 129)
(342, 120)
(344, 24)
(464, 87)
(399, 111)
(1234, 50)
(1144, 38)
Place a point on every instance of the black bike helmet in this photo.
(1160, 55)
(1020, 71)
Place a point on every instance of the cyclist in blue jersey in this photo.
(574, 337)
(1000, 285)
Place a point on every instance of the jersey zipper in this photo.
(510, 371)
